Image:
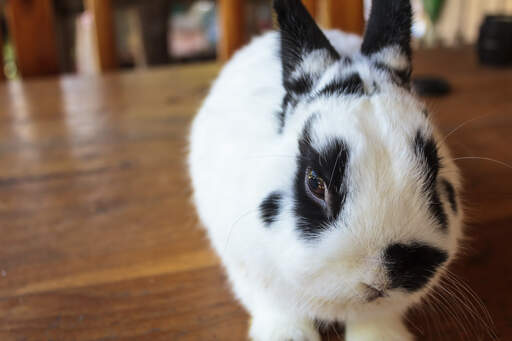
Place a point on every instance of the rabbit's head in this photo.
(374, 205)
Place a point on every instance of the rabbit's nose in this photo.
(410, 266)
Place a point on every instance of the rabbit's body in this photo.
(293, 256)
(227, 197)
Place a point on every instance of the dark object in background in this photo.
(154, 16)
(495, 41)
(431, 86)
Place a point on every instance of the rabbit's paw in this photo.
(383, 330)
(279, 329)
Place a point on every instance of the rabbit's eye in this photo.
(315, 184)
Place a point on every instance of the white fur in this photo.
(237, 157)
(392, 57)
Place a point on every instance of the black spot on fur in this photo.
(436, 207)
(299, 35)
(389, 25)
(450, 192)
(347, 61)
(269, 208)
(295, 88)
(399, 77)
(411, 266)
(288, 100)
(426, 150)
(351, 85)
(300, 85)
(330, 163)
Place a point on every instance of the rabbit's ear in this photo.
(387, 39)
(305, 51)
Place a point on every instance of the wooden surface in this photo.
(32, 28)
(103, 22)
(99, 240)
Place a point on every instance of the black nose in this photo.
(411, 266)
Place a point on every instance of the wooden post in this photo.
(103, 18)
(311, 5)
(32, 27)
(232, 27)
(346, 15)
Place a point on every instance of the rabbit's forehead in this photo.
(368, 75)
(391, 118)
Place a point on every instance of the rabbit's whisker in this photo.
(466, 123)
(235, 223)
(504, 164)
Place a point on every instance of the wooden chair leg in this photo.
(32, 28)
(103, 17)
(232, 27)
(346, 15)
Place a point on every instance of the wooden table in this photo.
(98, 240)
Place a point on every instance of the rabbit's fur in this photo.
(389, 221)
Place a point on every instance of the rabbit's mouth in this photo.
(372, 293)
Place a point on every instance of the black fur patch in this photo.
(399, 77)
(436, 207)
(450, 192)
(411, 266)
(294, 89)
(426, 150)
(269, 208)
(330, 163)
(389, 25)
(351, 85)
(300, 85)
(287, 99)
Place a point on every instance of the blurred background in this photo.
(42, 37)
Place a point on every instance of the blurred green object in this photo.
(433, 8)
(10, 69)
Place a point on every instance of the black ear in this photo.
(388, 36)
(302, 42)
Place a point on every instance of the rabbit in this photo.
(321, 181)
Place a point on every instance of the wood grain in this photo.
(32, 28)
(98, 237)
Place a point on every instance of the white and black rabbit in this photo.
(322, 183)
